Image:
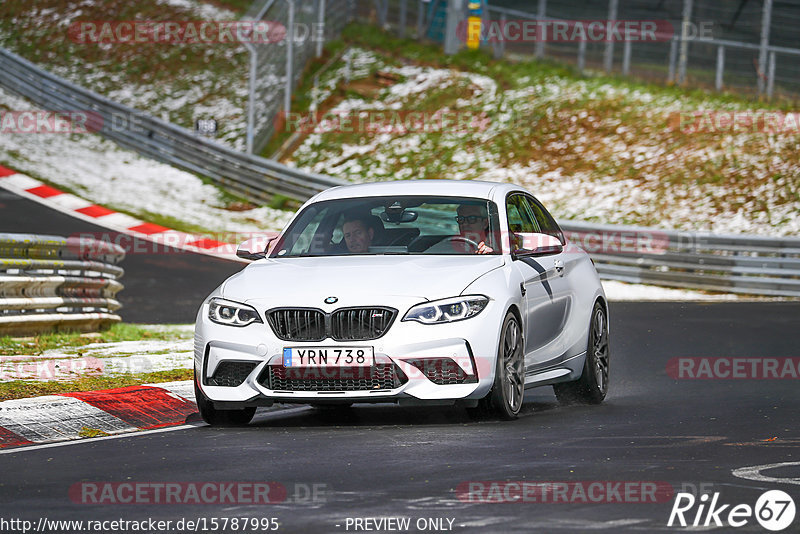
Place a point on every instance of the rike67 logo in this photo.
(774, 510)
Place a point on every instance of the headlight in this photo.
(232, 313)
(447, 310)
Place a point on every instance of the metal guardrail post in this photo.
(582, 56)
(541, 14)
(321, 21)
(626, 57)
(766, 22)
(420, 18)
(673, 59)
(455, 15)
(287, 94)
(251, 99)
(608, 57)
(401, 30)
(720, 67)
(684, 53)
(771, 75)
(500, 45)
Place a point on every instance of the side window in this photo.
(546, 221)
(520, 217)
(304, 241)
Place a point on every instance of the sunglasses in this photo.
(472, 219)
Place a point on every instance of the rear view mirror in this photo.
(255, 248)
(399, 216)
(535, 244)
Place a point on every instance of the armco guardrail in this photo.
(251, 177)
(52, 283)
(729, 263)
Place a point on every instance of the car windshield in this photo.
(393, 225)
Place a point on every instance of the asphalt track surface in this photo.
(162, 285)
(388, 461)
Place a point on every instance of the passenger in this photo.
(473, 224)
(358, 234)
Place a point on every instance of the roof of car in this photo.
(460, 188)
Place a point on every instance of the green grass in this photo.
(18, 346)
(20, 389)
(239, 6)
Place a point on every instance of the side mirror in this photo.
(255, 248)
(534, 244)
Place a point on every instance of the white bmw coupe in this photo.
(414, 292)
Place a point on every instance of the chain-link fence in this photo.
(746, 45)
(277, 64)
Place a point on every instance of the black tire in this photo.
(507, 394)
(215, 417)
(592, 386)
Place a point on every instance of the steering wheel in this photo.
(462, 239)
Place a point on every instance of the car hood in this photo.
(355, 279)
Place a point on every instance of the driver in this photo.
(358, 234)
(473, 224)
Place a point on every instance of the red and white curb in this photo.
(71, 416)
(33, 189)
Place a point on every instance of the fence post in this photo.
(402, 28)
(684, 56)
(420, 18)
(626, 57)
(287, 97)
(581, 55)
(541, 14)
(771, 75)
(454, 18)
(673, 59)
(251, 98)
(382, 7)
(608, 57)
(720, 67)
(766, 21)
(321, 36)
(500, 45)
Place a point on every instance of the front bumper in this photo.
(431, 363)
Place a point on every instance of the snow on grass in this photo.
(591, 149)
(107, 359)
(201, 9)
(100, 171)
(177, 82)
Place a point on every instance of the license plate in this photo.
(328, 357)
